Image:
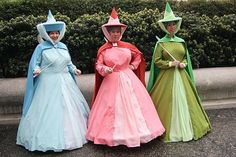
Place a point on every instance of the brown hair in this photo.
(110, 28)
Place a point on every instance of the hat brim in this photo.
(110, 25)
(45, 28)
(170, 20)
(163, 26)
(57, 26)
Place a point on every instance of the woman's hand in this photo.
(36, 72)
(108, 70)
(182, 65)
(131, 67)
(175, 63)
(77, 72)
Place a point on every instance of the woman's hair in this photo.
(110, 28)
(166, 23)
(53, 31)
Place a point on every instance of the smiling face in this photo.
(54, 35)
(115, 33)
(171, 28)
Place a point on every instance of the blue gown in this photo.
(56, 115)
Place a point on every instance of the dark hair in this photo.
(52, 31)
(166, 23)
(110, 28)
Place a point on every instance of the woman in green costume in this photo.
(172, 87)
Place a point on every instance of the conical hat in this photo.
(51, 25)
(113, 21)
(169, 17)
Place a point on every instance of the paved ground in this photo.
(221, 142)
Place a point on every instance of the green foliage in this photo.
(210, 40)
(209, 8)
(142, 29)
(83, 38)
(74, 8)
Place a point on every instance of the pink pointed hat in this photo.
(113, 21)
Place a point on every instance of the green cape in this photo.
(154, 71)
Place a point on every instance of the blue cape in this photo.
(31, 82)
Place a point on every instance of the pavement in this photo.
(220, 142)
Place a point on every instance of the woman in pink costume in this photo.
(122, 111)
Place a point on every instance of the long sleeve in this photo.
(38, 63)
(136, 59)
(100, 66)
(71, 67)
(159, 59)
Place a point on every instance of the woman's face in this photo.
(171, 27)
(54, 35)
(115, 33)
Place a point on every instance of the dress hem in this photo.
(103, 141)
(51, 148)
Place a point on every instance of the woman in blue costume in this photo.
(172, 87)
(54, 111)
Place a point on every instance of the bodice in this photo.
(118, 57)
(55, 59)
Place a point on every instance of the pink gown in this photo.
(123, 112)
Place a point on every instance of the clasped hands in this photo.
(108, 70)
(177, 63)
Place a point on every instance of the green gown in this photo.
(174, 93)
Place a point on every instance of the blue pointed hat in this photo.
(51, 24)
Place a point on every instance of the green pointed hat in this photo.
(169, 17)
